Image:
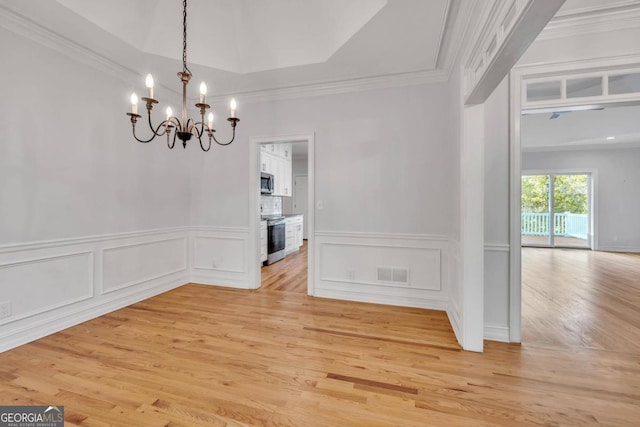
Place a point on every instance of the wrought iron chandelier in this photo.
(183, 128)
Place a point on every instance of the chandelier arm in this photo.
(163, 124)
(173, 144)
(233, 136)
(199, 135)
(133, 128)
(224, 143)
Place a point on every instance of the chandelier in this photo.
(183, 128)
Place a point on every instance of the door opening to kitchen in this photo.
(284, 216)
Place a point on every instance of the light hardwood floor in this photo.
(581, 299)
(289, 274)
(209, 356)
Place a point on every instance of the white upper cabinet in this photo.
(276, 160)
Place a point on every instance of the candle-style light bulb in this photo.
(211, 120)
(203, 92)
(234, 105)
(134, 103)
(169, 113)
(149, 83)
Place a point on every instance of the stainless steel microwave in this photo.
(266, 183)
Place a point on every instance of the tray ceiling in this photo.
(241, 46)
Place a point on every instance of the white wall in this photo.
(78, 196)
(383, 168)
(496, 217)
(69, 166)
(618, 181)
(380, 160)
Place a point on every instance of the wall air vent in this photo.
(393, 275)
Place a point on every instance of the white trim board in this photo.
(496, 333)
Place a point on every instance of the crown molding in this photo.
(594, 20)
(448, 10)
(459, 24)
(31, 30)
(415, 78)
(26, 27)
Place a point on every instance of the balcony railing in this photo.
(565, 224)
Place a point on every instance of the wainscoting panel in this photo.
(42, 284)
(397, 269)
(52, 285)
(134, 263)
(219, 256)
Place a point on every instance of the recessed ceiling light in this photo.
(609, 138)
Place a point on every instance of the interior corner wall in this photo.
(90, 220)
(383, 168)
(496, 214)
(618, 179)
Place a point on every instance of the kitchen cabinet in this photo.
(293, 233)
(263, 241)
(276, 160)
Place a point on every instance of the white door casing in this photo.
(300, 199)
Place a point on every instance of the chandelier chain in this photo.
(184, 38)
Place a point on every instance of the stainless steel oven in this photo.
(276, 239)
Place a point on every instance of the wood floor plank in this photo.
(209, 356)
(581, 298)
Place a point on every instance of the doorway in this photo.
(300, 153)
(573, 136)
(556, 210)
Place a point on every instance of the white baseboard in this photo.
(53, 321)
(496, 333)
(402, 301)
(619, 249)
(215, 280)
(52, 285)
(453, 313)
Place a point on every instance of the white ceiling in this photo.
(244, 46)
(241, 36)
(240, 46)
(582, 129)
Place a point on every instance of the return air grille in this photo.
(393, 275)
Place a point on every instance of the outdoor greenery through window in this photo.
(555, 210)
(571, 193)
